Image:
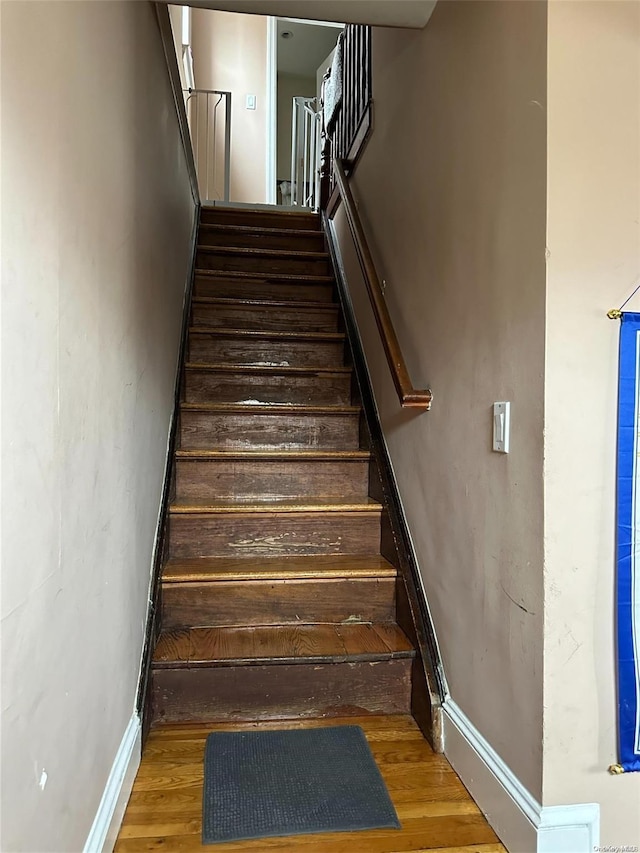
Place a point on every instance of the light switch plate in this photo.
(251, 102)
(501, 427)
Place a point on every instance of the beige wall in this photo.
(96, 224)
(593, 236)
(230, 54)
(289, 86)
(452, 188)
(175, 16)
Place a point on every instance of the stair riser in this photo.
(218, 260)
(280, 291)
(280, 692)
(260, 219)
(243, 431)
(242, 603)
(223, 350)
(210, 387)
(273, 534)
(311, 242)
(279, 319)
(199, 481)
(299, 615)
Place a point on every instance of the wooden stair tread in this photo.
(270, 408)
(273, 277)
(278, 506)
(276, 211)
(253, 252)
(212, 569)
(277, 455)
(308, 605)
(260, 231)
(269, 334)
(265, 303)
(281, 644)
(261, 369)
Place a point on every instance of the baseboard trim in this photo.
(106, 824)
(570, 829)
(521, 822)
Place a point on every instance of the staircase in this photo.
(275, 600)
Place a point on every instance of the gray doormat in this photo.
(259, 784)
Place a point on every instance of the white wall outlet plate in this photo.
(501, 427)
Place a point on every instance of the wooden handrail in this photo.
(409, 396)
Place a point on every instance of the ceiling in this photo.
(382, 13)
(309, 45)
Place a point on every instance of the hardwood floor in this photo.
(436, 811)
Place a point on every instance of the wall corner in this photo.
(522, 824)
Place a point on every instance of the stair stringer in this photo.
(152, 628)
(413, 616)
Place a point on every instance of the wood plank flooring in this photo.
(436, 811)
(282, 643)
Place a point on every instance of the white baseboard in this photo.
(523, 825)
(106, 824)
(570, 829)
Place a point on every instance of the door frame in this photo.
(272, 96)
(272, 110)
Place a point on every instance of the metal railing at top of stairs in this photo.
(305, 153)
(202, 107)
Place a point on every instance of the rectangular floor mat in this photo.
(292, 782)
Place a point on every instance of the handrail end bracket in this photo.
(418, 400)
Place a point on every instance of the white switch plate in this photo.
(251, 102)
(501, 427)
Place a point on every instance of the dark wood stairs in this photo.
(276, 601)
